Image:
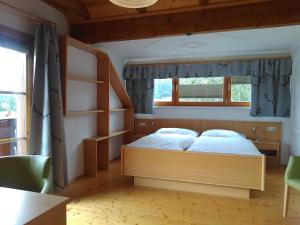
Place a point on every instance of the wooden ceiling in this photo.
(100, 21)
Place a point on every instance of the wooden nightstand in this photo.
(271, 149)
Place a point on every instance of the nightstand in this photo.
(271, 149)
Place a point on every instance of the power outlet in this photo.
(271, 129)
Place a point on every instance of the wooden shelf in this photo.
(111, 134)
(100, 138)
(83, 79)
(118, 132)
(96, 149)
(73, 113)
(117, 110)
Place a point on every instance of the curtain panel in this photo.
(47, 135)
(141, 93)
(271, 88)
(270, 81)
(162, 71)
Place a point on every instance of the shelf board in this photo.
(118, 132)
(117, 110)
(100, 138)
(70, 113)
(111, 134)
(83, 79)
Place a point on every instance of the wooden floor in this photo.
(112, 200)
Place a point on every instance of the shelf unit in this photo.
(96, 149)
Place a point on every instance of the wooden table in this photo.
(19, 207)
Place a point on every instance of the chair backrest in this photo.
(24, 172)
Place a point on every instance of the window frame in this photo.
(226, 97)
(27, 42)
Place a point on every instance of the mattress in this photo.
(225, 145)
(164, 142)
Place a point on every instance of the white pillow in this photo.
(180, 131)
(222, 133)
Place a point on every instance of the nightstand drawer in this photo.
(270, 149)
(264, 145)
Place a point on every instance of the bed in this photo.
(228, 166)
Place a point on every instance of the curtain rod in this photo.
(24, 13)
(229, 59)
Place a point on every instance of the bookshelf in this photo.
(96, 149)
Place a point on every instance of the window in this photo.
(13, 96)
(240, 89)
(201, 89)
(207, 91)
(163, 90)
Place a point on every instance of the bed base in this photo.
(219, 174)
(193, 187)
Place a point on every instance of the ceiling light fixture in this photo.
(133, 3)
(193, 44)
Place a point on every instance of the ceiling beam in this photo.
(163, 7)
(67, 6)
(259, 15)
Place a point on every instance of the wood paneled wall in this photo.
(267, 131)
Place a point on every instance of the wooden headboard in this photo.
(268, 131)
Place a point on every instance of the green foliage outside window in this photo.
(163, 90)
(8, 103)
(241, 92)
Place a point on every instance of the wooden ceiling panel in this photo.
(110, 11)
(70, 7)
(267, 14)
(100, 20)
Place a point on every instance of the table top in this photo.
(20, 207)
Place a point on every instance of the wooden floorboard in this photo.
(111, 199)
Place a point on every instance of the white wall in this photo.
(295, 113)
(13, 19)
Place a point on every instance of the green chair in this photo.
(30, 173)
(291, 179)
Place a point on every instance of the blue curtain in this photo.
(141, 93)
(270, 81)
(47, 135)
(271, 88)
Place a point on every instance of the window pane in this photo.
(13, 148)
(163, 90)
(12, 116)
(12, 70)
(241, 89)
(206, 89)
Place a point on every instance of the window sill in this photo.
(202, 107)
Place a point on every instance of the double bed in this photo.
(218, 162)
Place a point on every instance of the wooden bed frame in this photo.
(221, 174)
